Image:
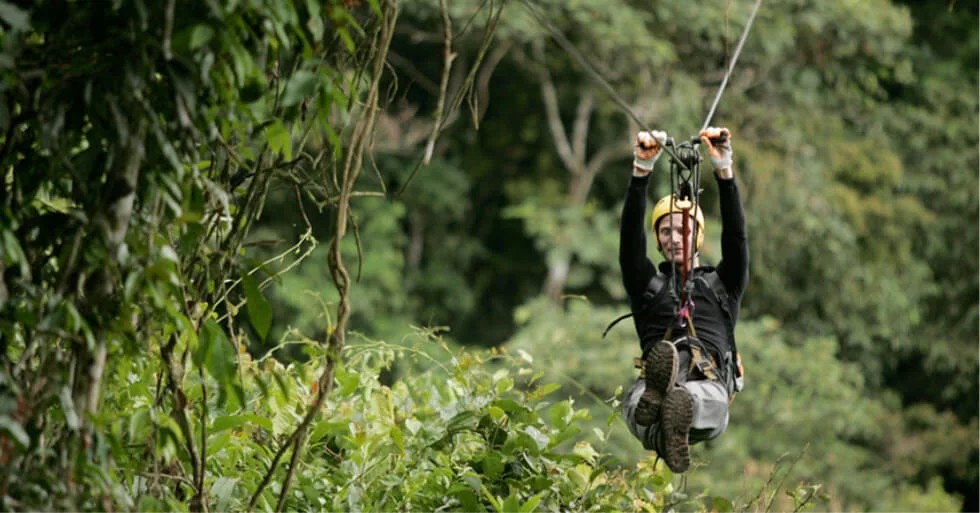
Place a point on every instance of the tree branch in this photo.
(420, 78)
(602, 157)
(580, 128)
(555, 125)
(176, 375)
(360, 138)
(448, 56)
(483, 80)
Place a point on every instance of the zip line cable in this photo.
(573, 51)
(731, 66)
(591, 71)
(607, 87)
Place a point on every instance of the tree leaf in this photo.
(493, 465)
(252, 91)
(301, 86)
(511, 503)
(532, 503)
(722, 505)
(139, 423)
(560, 414)
(68, 408)
(200, 35)
(547, 389)
(397, 437)
(259, 311)
(14, 16)
(413, 426)
(348, 381)
(13, 254)
(14, 431)
(202, 351)
(278, 136)
(232, 421)
(221, 357)
(223, 490)
(328, 427)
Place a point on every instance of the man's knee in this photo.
(710, 409)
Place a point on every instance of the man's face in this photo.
(670, 233)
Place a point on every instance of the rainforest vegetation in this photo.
(350, 255)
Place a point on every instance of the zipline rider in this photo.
(689, 370)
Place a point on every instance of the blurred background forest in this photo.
(855, 131)
(856, 140)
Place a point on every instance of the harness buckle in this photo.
(703, 363)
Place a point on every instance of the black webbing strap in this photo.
(654, 287)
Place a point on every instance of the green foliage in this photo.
(854, 124)
(460, 435)
(169, 172)
(138, 143)
(587, 236)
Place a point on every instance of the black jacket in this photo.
(653, 310)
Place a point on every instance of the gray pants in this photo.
(710, 407)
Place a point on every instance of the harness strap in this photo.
(714, 283)
(615, 322)
(705, 364)
(699, 359)
(653, 288)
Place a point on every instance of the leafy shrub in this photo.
(459, 436)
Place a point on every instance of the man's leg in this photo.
(682, 414)
(692, 412)
(660, 366)
(709, 418)
(644, 433)
(657, 410)
(710, 409)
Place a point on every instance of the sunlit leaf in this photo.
(559, 414)
(14, 16)
(279, 139)
(547, 389)
(301, 86)
(223, 490)
(12, 429)
(532, 504)
(233, 421)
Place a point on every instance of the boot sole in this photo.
(678, 415)
(659, 374)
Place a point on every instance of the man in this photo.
(688, 377)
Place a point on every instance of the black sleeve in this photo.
(636, 267)
(734, 267)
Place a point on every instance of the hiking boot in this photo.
(677, 415)
(659, 374)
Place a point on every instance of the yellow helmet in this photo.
(667, 205)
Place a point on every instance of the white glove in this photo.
(649, 147)
(719, 153)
